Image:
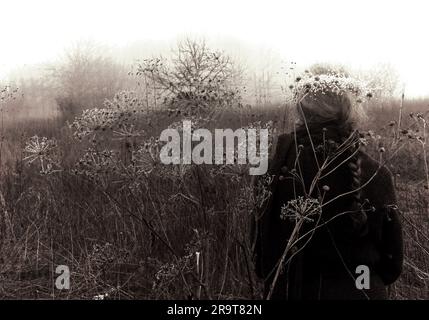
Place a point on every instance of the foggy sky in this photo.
(357, 33)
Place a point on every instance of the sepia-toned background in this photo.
(86, 87)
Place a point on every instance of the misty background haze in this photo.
(262, 36)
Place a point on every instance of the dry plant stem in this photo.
(154, 232)
(419, 231)
(225, 271)
(312, 232)
(200, 275)
(1, 138)
(425, 159)
(426, 250)
(167, 241)
(283, 257)
(286, 108)
(249, 274)
(400, 115)
(308, 132)
(382, 163)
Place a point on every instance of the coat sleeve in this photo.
(391, 244)
(263, 222)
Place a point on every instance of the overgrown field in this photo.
(93, 196)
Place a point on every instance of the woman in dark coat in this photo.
(336, 203)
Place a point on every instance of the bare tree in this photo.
(86, 79)
(195, 75)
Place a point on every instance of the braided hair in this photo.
(358, 215)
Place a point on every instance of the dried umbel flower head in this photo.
(97, 165)
(118, 113)
(43, 151)
(146, 157)
(93, 120)
(301, 209)
(127, 131)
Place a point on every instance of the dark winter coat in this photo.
(325, 268)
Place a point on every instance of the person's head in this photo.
(328, 98)
(319, 108)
